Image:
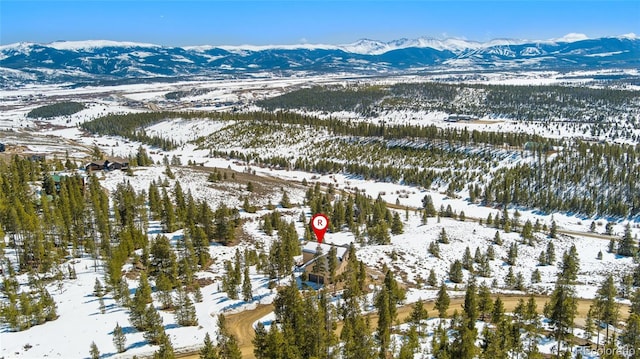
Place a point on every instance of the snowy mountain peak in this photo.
(630, 36)
(367, 46)
(66, 61)
(572, 37)
(94, 44)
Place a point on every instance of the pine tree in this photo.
(168, 213)
(94, 352)
(165, 351)
(498, 311)
(386, 301)
(418, 313)
(477, 256)
(531, 328)
(332, 263)
(355, 335)
(383, 334)
(247, 293)
(432, 280)
(164, 288)
(260, 348)
(527, 230)
(536, 277)
(631, 335)
(612, 246)
(496, 239)
(635, 302)
(542, 259)
(609, 229)
(491, 255)
(471, 305)
(455, 272)
(561, 311)
(410, 345)
(512, 255)
(155, 203)
(185, 313)
(510, 278)
(551, 253)
(277, 346)
(119, 339)
(467, 260)
(485, 303)
(138, 306)
(553, 231)
(443, 238)
(493, 345)
(605, 303)
(153, 328)
(102, 307)
(208, 351)
(98, 290)
(442, 301)
(570, 266)
(284, 202)
(427, 204)
(197, 293)
(434, 249)
(464, 343)
(396, 224)
(123, 293)
(611, 350)
(627, 245)
(440, 346)
(164, 260)
(589, 325)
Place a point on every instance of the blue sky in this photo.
(179, 23)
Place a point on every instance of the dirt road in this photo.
(241, 324)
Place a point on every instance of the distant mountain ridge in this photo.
(101, 60)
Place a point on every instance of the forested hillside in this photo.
(53, 221)
(599, 108)
(54, 110)
(492, 168)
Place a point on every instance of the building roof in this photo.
(311, 247)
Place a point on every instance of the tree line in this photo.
(57, 109)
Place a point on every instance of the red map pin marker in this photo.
(320, 224)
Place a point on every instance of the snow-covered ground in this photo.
(80, 320)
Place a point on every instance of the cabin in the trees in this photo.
(37, 157)
(93, 167)
(313, 251)
(112, 166)
(107, 166)
(458, 118)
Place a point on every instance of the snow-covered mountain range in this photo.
(91, 61)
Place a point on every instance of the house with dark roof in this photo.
(312, 252)
(112, 166)
(93, 167)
